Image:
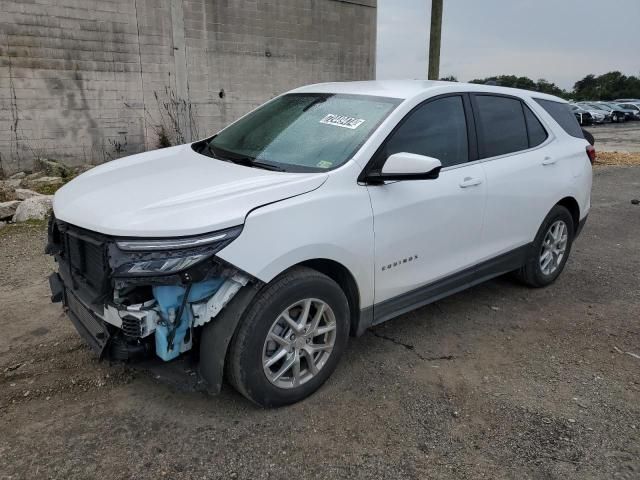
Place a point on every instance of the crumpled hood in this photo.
(173, 192)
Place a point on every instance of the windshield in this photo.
(302, 132)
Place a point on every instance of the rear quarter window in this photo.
(537, 133)
(561, 113)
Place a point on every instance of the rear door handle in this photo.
(548, 161)
(470, 182)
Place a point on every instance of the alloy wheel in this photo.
(299, 343)
(554, 247)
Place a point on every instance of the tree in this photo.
(525, 83)
(545, 86)
(608, 86)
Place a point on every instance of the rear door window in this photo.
(563, 116)
(502, 126)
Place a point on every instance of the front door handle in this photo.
(548, 161)
(470, 182)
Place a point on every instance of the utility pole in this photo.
(434, 40)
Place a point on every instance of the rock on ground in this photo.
(34, 208)
(45, 181)
(12, 183)
(6, 192)
(6, 189)
(23, 194)
(8, 209)
(33, 175)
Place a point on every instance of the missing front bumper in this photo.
(91, 328)
(57, 288)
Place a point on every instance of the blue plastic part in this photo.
(170, 298)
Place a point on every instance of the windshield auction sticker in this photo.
(342, 121)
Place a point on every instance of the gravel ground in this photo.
(499, 381)
(617, 137)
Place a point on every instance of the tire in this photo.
(532, 272)
(249, 350)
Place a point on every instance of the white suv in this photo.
(327, 210)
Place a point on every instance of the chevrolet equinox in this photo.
(327, 210)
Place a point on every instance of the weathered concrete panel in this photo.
(92, 80)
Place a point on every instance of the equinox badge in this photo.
(399, 262)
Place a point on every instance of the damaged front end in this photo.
(132, 297)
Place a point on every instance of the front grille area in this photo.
(86, 256)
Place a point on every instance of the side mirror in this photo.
(407, 166)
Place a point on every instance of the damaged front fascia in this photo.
(209, 268)
(201, 310)
(124, 296)
(204, 269)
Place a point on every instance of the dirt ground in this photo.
(496, 382)
(620, 137)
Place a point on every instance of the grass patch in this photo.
(10, 228)
(618, 158)
(47, 189)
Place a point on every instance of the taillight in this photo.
(591, 153)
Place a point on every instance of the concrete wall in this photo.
(85, 81)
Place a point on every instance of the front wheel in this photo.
(290, 339)
(550, 250)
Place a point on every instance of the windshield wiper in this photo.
(251, 162)
(246, 161)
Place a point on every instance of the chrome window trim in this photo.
(550, 138)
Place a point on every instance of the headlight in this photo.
(152, 245)
(161, 266)
(135, 257)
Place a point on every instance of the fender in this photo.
(217, 334)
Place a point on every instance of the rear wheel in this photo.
(290, 339)
(550, 249)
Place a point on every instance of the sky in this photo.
(558, 40)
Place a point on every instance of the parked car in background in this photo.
(634, 107)
(628, 114)
(628, 100)
(615, 115)
(583, 116)
(597, 115)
